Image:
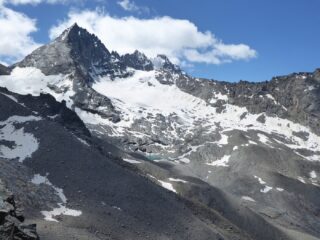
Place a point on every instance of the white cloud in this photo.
(181, 42)
(15, 30)
(128, 5)
(131, 6)
(221, 53)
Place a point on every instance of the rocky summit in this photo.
(98, 145)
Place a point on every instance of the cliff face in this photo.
(4, 70)
(11, 219)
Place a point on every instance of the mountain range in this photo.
(98, 145)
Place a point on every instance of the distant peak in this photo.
(73, 30)
(316, 74)
(76, 28)
(75, 25)
(161, 61)
(4, 70)
(137, 60)
(140, 55)
(164, 57)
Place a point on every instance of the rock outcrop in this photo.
(11, 219)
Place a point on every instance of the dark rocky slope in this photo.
(116, 202)
(11, 219)
(4, 70)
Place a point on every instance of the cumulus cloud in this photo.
(182, 42)
(221, 53)
(131, 6)
(15, 31)
(128, 5)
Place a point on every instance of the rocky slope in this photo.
(242, 159)
(11, 219)
(4, 70)
(88, 193)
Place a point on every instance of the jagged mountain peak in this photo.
(74, 50)
(316, 74)
(137, 60)
(4, 70)
(77, 49)
(163, 62)
(67, 31)
(75, 34)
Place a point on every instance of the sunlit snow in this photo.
(223, 162)
(62, 209)
(24, 144)
(167, 186)
(131, 161)
(32, 81)
(246, 198)
(142, 94)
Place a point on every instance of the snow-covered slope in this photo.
(31, 80)
(142, 95)
(71, 182)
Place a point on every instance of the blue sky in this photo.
(248, 39)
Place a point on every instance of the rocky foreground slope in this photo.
(138, 149)
(73, 187)
(11, 219)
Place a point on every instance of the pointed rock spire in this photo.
(137, 60)
(163, 62)
(4, 70)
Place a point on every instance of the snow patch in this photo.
(264, 139)
(246, 198)
(38, 179)
(32, 81)
(223, 140)
(82, 141)
(167, 186)
(301, 179)
(221, 162)
(131, 161)
(310, 88)
(177, 180)
(218, 96)
(260, 180)
(313, 174)
(11, 97)
(117, 208)
(62, 209)
(313, 177)
(184, 160)
(25, 144)
(266, 187)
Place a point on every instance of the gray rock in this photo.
(11, 221)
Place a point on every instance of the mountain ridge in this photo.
(235, 150)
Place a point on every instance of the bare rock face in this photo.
(4, 70)
(11, 219)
